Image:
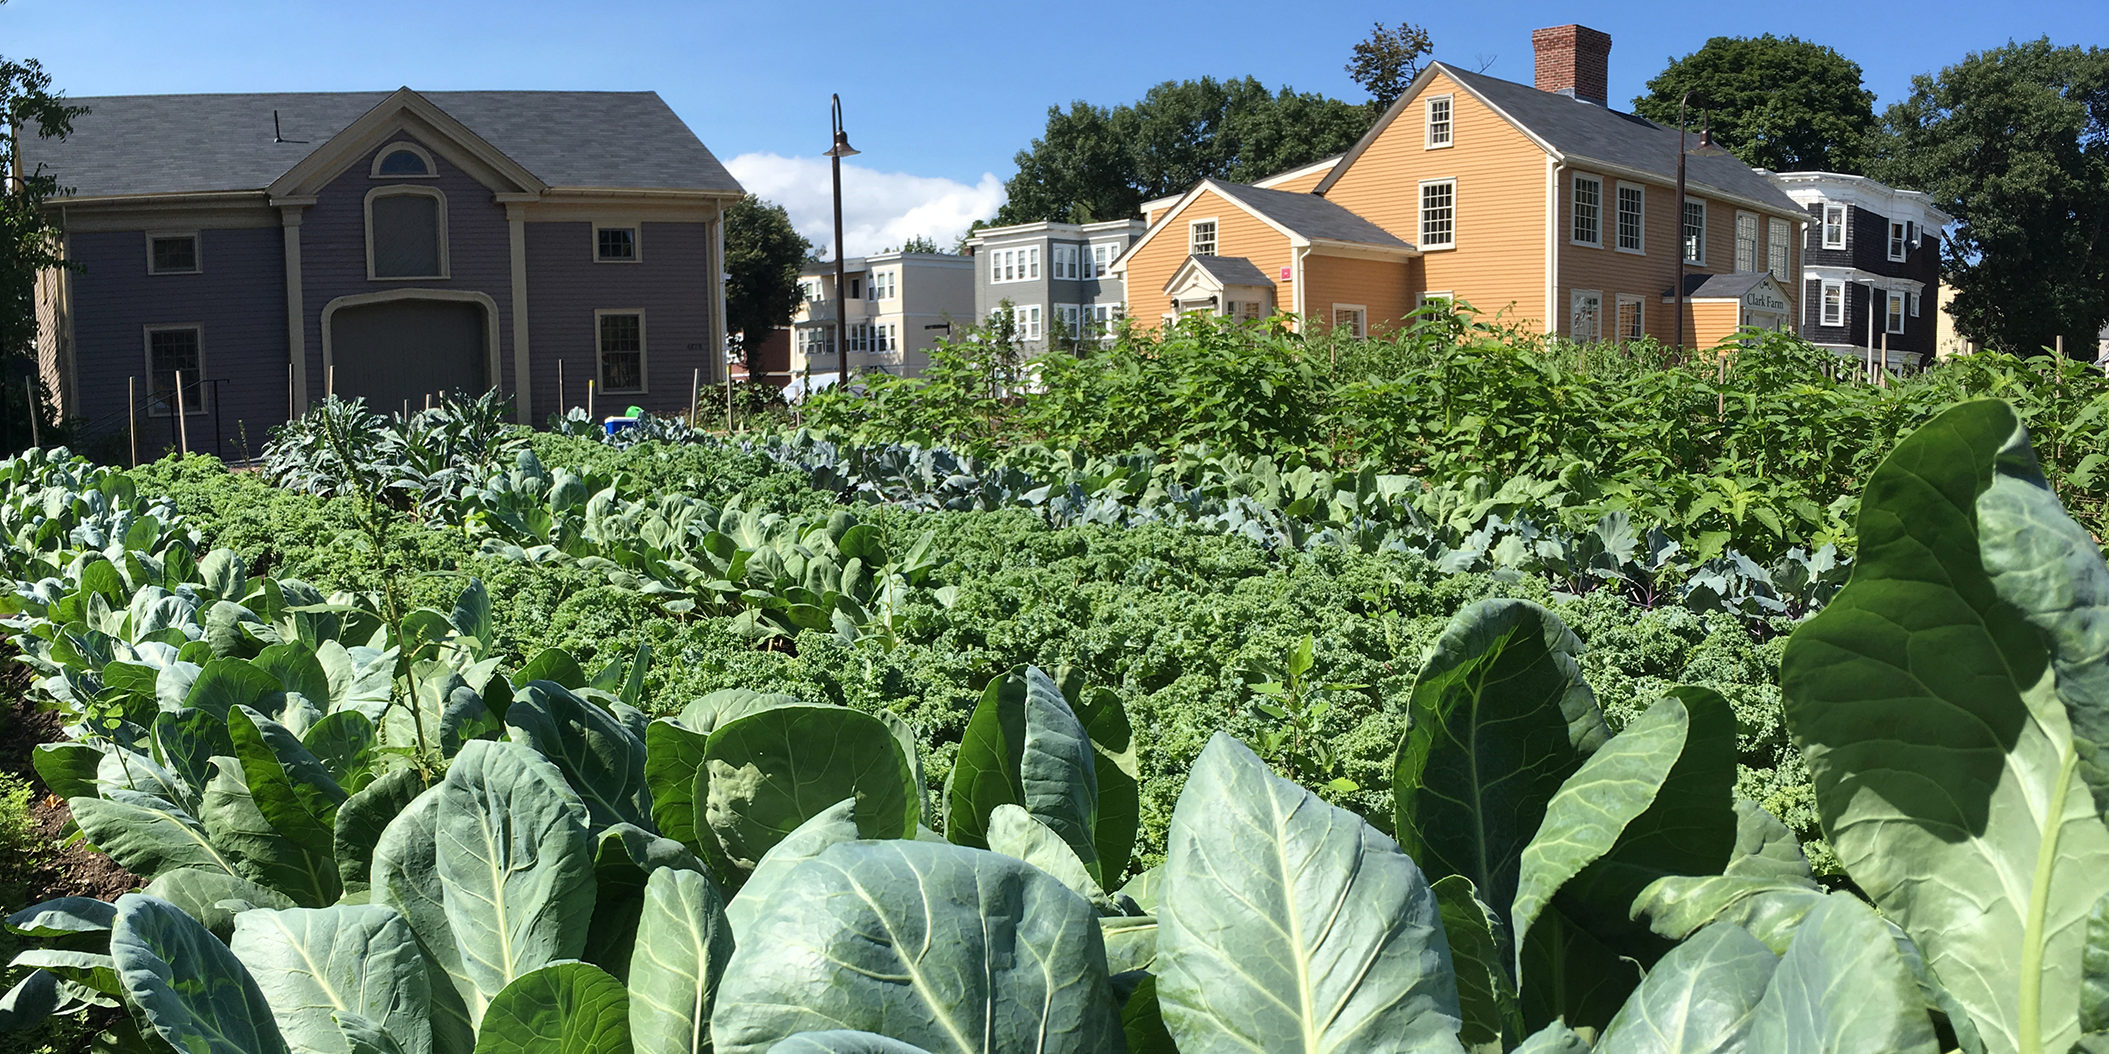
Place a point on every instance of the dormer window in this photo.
(403, 161)
(406, 233)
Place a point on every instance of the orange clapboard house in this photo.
(1539, 205)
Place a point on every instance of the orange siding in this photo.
(1712, 321)
(1499, 262)
(1384, 287)
(1238, 233)
(1302, 184)
(1612, 271)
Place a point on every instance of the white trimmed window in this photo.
(1440, 125)
(1911, 302)
(403, 161)
(1031, 324)
(809, 289)
(1441, 301)
(1438, 214)
(172, 253)
(815, 341)
(1585, 315)
(1588, 211)
(1776, 235)
(615, 244)
(1632, 320)
(1064, 261)
(1746, 242)
(1896, 240)
(1249, 311)
(1071, 318)
(885, 337)
(406, 233)
(883, 285)
(621, 346)
(1103, 319)
(1831, 296)
(1014, 265)
(1632, 218)
(1352, 317)
(1102, 256)
(1834, 226)
(1201, 237)
(1695, 232)
(1895, 321)
(173, 350)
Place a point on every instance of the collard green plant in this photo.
(1936, 701)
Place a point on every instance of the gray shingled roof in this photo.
(1581, 129)
(1232, 270)
(146, 144)
(1312, 216)
(1723, 286)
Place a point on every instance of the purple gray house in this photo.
(389, 244)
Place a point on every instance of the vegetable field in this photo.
(1467, 695)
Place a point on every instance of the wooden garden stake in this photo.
(131, 415)
(182, 420)
(561, 408)
(695, 397)
(589, 398)
(331, 387)
(29, 392)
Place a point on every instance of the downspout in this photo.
(719, 332)
(1553, 168)
(1297, 256)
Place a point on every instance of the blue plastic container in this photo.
(618, 424)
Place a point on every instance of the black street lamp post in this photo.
(836, 153)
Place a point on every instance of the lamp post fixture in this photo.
(836, 153)
(1706, 148)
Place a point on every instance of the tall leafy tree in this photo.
(1780, 103)
(1387, 60)
(2014, 143)
(763, 253)
(1097, 163)
(29, 242)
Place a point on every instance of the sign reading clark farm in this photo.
(1764, 297)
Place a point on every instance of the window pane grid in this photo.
(1695, 232)
(1746, 243)
(617, 243)
(1439, 121)
(1203, 238)
(1588, 210)
(1438, 214)
(1631, 211)
(622, 352)
(1776, 248)
(173, 351)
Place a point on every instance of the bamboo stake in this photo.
(589, 398)
(182, 421)
(29, 392)
(1882, 379)
(428, 402)
(562, 407)
(291, 402)
(332, 385)
(695, 397)
(131, 415)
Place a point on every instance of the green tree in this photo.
(2014, 143)
(1096, 163)
(1784, 104)
(763, 254)
(29, 241)
(1387, 60)
(920, 244)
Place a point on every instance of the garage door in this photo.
(407, 349)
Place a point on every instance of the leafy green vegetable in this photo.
(766, 773)
(192, 991)
(684, 941)
(1024, 746)
(347, 959)
(560, 1008)
(1287, 924)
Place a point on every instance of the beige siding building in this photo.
(898, 306)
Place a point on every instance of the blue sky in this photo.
(938, 96)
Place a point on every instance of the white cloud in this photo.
(880, 210)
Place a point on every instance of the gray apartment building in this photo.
(898, 306)
(1054, 276)
(1871, 266)
(270, 249)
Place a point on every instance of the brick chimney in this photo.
(1574, 61)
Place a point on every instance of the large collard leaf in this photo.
(363, 818)
(63, 917)
(289, 785)
(312, 963)
(673, 758)
(214, 898)
(1486, 996)
(843, 1041)
(188, 739)
(683, 943)
(259, 851)
(192, 991)
(1766, 889)
(515, 865)
(406, 877)
(1699, 999)
(146, 835)
(1929, 709)
(561, 1008)
(343, 742)
(953, 949)
(604, 763)
(766, 773)
(1842, 988)
(836, 823)
(1500, 717)
(1024, 746)
(1105, 720)
(625, 857)
(1654, 800)
(1013, 832)
(1287, 924)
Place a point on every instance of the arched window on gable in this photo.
(406, 233)
(403, 161)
